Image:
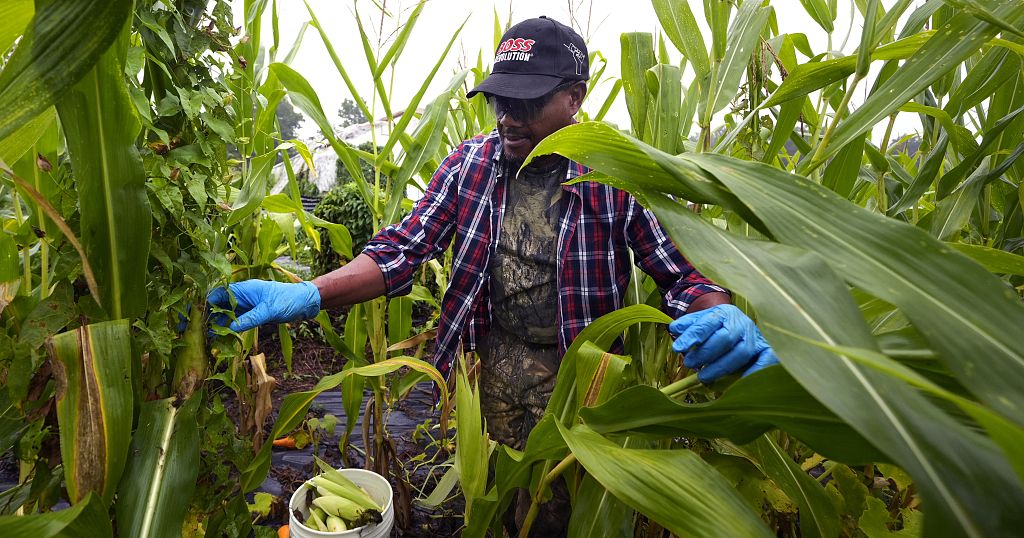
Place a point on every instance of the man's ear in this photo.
(576, 94)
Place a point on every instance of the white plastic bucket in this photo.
(375, 485)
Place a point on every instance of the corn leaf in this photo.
(747, 409)
(675, 488)
(681, 27)
(158, 484)
(637, 58)
(744, 35)
(994, 260)
(56, 51)
(92, 367)
(795, 288)
(818, 516)
(471, 440)
(86, 518)
(953, 43)
(14, 16)
(100, 127)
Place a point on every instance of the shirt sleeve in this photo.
(422, 235)
(657, 256)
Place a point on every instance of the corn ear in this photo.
(336, 524)
(353, 493)
(340, 507)
(315, 521)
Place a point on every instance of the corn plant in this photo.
(121, 210)
(887, 282)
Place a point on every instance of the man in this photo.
(534, 261)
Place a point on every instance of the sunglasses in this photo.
(525, 110)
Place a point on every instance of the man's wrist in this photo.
(707, 300)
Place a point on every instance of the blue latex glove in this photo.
(264, 301)
(719, 341)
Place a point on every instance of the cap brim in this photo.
(517, 85)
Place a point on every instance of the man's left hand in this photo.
(719, 341)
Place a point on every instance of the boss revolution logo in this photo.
(515, 49)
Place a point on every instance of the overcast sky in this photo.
(601, 22)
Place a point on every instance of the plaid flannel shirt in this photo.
(464, 202)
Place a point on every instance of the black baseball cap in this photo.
(533, 57)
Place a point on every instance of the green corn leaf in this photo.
(337, 64)
(371, 62)
(820, 12)
(601, 333)
(818, 516)
(160, 479)
(664, 83)
(424, 144)
(925, 176)
(303, 97)
(716, 13)
(678, 23)
(1007, 435)
(994, 260)
(996, 67)
(953, 43)
(867, 38)
(86, 518)
(806, 78)
(744, 35)
(789, 113)
(14, 147)
(675, 488)
(637, 58)
(399, 319)
(398, 45)
(100, 127)
(14, 17)
(747, 409)
(414, 103)
(842, 172)
(92, 367)
(56, 51)
(471, 441)
(890, 260)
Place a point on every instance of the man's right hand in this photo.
(264, 301)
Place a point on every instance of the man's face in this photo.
(526, 124)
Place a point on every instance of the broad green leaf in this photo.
(302, 96)
(900, 264)
(56, 51)
(818, 516)
(471, 440)
(994, 260)
(744, 35)
(789, 113)
(925, 177)
(399, 319)
(414, 103)
(93, 369)
(665, 86)
(14, 17)
(21, 140)
(337, 64)
(100, 128)
(867, 38)
(748, 408)
(1007, 435)
(426, 141)
(990, 143)
(820, 12)
(678, 23)
(794, 287)
(675, 488)
(842, 172)
(158, 484)
(952, 44)
(637, 58)
(812, 76)
(601, 333)
(86, 518)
